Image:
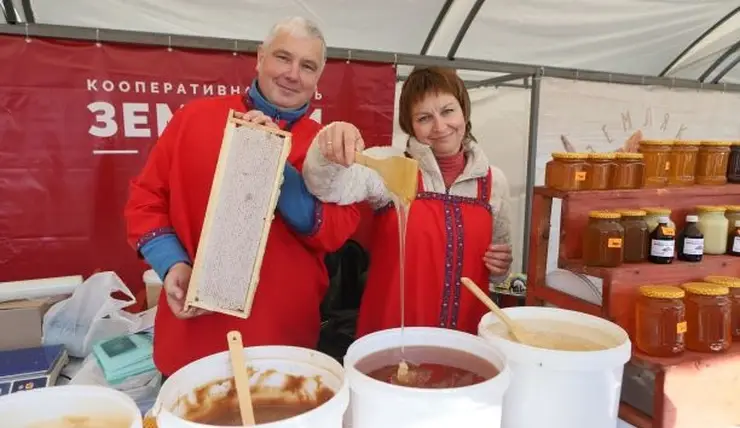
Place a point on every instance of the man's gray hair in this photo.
(299, 27)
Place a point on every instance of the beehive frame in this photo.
(206, 287)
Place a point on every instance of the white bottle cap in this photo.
(663, 219)
(692, 218)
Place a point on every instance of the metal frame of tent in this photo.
(530, 74)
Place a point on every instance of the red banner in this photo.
(77, 120)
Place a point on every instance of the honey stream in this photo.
(402, 214)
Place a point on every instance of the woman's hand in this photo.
(498, 259)
(339, 141)
(257, 117)
(176, 286)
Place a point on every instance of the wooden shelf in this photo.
(655, 194)
(634, 417)
(678, 271)
(688, 357)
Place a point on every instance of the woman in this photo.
(458, 225)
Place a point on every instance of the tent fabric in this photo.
(628, 36)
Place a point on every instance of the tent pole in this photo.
(727, 69)
(534, 114)
(220, 44)
(728, 53)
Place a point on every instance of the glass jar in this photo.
(603, 240)
(654, 213)
(715, 227)
(682, 163)
(628, 171)
(566, 171)
(599, 169)
(733, 164)
(732, 213)
(657, 162)
(708, 317)
(711, 164)
(636, 235)
(732, 284)
(660, 320)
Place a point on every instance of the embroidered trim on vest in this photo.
(460, 246)
(449, 255)
(153, 234)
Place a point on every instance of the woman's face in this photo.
(439, 122)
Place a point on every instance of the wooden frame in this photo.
(203, 267)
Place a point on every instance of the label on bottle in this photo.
(668, 231)
(581, 176)
(614, 243)
(681, 327)
(660, 248)
(693, 246)
(736, 245)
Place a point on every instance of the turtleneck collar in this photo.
(256, 100)
(451, 167)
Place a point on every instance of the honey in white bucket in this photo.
(559, 335)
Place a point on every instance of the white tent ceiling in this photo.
(619, 36)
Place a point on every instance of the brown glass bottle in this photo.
(662, 243)
(690, 245)
(733, 240)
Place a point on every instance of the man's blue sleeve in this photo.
(295, 203)
(163, 252)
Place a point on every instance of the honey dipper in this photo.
(517, 332)
(241, 380)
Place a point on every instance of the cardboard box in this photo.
(26, 318)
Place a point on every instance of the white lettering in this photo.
(92, 85)
(235, 90)
(167, 87)
(124, 86)
(318, 95)
(108, 86)
(208, 90)
(181, 89)
(104, 114)
(139, 87)
(316, 115)
(154, 87)
(164, 114)
(132, 118)
(194, 87)
(222, 90)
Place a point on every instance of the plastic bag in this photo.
(90, 315)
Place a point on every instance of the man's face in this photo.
(289, 69)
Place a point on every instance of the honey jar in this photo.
(654, 213)
(733, 165)
(733, 284)
(628, 171)
(708, 317)
(657, 162)
(599, 169)
(636, 235)
(714, 226)
(732, 213)
(566, 171)
(603, 240)
(660, 320)
(711, 164)
(682, 163)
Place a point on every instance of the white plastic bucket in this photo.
(561, 389)
(282, 359)
(376, 404)
(50, 405)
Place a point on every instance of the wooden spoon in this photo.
(239, 367)
(517, 332)
(399, 173)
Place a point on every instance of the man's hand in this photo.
(257, 117)
(176, 286)
(498, 259)
(339, 142)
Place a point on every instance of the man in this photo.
(168, 200)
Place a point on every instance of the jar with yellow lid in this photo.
(682, 163)
(714, 226)
(603, 240)
(711, 164)
(732, 284)
(657, 162)
(733, 164)
(708, 317)
(660, 320)
(732, 213)
(566, 171)
(628, 171)
(636, 235)
(654, 213)
(599, 169)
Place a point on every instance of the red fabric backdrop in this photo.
(77, 121)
